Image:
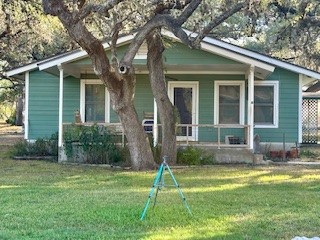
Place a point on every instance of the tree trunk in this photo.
(19, 110)
(120, 84)
(158, 86)
(122, 89)
(138, 142)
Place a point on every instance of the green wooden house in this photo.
(225, 96)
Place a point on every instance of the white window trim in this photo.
(195, 111)
(82, 99)
(275, 85)
(216, 100)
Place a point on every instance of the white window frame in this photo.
(195, 104)
(241, 84)
(82, 99)
(275, 85)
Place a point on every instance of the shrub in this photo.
(41, 147)
(309, 154)
(95, 142)
(193, 156)
(21, 148)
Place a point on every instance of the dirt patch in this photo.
(9, 134)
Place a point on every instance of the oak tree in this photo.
(145, 19)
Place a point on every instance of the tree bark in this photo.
(122, 96)
(120, 84)
(138, 142)
(19, 110)
(158, 86)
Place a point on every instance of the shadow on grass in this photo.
(75, 202)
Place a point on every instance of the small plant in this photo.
(95, 143)
(306, 153)
(193, 156)
(41, 147)
(20, 148)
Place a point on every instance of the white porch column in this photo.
(300, 109)
(251, 105)
(155, 123)
(60, 105)
(26, 106)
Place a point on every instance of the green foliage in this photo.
(8, 95)
(307, 153)
(95, 142)
(193, 156)
(41, 147)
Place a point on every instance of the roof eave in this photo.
(20, 70)
(263, 58)
(80, 54)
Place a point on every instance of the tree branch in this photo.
(102, 9)
(158, 21)
(161, 7)
(188, 11)
(78, 31)
(220, 19)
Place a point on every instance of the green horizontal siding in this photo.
(288, 108)
(143, 97)
(175, 53)
(71, 98)
(178, 53)
(43, 104)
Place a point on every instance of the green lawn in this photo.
(43, 200)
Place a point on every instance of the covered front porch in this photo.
(197, 124)
(213, 92)
(217, 136)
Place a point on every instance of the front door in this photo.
(184, 96)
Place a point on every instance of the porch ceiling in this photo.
(73, 69)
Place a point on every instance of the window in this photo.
(94, 101)
(266, 104)
(229, 102)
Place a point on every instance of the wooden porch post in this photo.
(60, 105)
(251, 106)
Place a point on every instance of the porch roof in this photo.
(264, 65)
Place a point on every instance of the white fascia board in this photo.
(236, 56)
(216, 48)
(252, 54)
(263, 58)
(63, 59)
(20, 70)
(79, 54)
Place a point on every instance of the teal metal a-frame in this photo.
(158, 184)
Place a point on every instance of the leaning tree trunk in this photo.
(158, 86)
(121, 85)
(121, 95)
(138, 142)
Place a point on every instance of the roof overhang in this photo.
(259, 57)
(264, 65)
(19, 72)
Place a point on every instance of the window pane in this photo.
(263, 104)
(229, 104)
(183, 104)
(95, 103)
